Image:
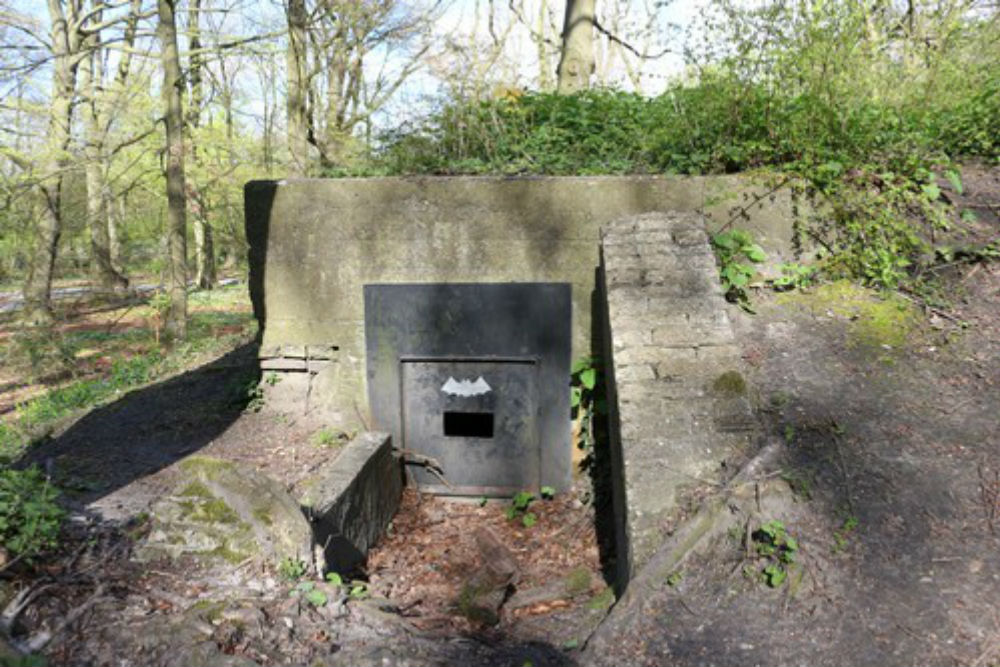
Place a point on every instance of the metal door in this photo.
(477, 418)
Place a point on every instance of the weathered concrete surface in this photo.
(315, 243)
(228, 510)
(351, 501)
(680, 412)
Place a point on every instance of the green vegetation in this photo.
(587, 403)
(519, 505)
(875, 320)
(30, 517)
(329, 437)
(840, 536)
(732, 247)
(291, 569)
(777, 548)
(102, 363)
(839, 106)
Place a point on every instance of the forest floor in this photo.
(886, 417)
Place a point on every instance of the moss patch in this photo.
(206, 466)
(577, 581)
(730, 383)
(602, 600)
(875, 320)
(263, 515)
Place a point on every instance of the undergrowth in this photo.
(858, 117)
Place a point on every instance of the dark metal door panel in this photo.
(478, 418)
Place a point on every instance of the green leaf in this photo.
(955, 179)
(575, 395)
(316, 598)
(755, 253)
(529, 519)
(358, 591)
(775, 574)
(588, 378)
(931, 191)
(968, 215)
(334, 578)
(548, 492)
(725, 241)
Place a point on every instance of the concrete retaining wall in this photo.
(351, 501)
(679, 409)
(315, 243)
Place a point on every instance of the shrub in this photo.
(30, 517)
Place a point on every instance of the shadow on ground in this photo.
(99, 457)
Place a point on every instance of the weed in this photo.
(840, 535)
(519, 505)
(674, 578)
(291, 569)
(310, 593)
(777, 548)
(253, 396)
(800, 483)
(794, 276)
(329, 437)
(734, 249)
(587, 403)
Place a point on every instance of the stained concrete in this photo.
(314, 243)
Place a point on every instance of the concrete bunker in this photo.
(347, 273)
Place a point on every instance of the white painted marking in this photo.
(466, 387)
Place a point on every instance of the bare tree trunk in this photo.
(204, 250)
(175, 324)
(577, 61)
(37, 289)
(101, 268)
(544, 62)
(116, 218)
(298, 118)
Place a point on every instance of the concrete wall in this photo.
(680, 414)
(315, 243)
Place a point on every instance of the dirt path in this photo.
(891, 443)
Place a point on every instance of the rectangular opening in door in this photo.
(468, 424)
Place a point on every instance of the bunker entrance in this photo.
(474, 377)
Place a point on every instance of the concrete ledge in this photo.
(350, 501)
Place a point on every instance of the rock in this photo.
(489, 587)
(230, 511)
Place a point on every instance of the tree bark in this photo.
(56, 159)
(576, 63)
(175, 322)
(102, 270)
(298, 112)
(204, 250)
